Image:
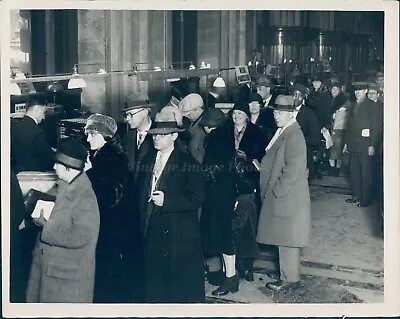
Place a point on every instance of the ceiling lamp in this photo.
(219, 82)
(192, 67)
(76, 82)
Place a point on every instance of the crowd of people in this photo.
(186, 195)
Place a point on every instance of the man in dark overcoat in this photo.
(285, 217)
(308, 121)
(136, 141)
(30, 149)
(264, 85)
(363, 134)
(171, 192)
(192, 107)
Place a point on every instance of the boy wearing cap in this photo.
(363, 135)
(63, 265)
(285, 217)
(170, 194)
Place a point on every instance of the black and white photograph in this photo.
(190, 157)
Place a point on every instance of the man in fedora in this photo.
(170, 193)
(264, 85)
(285, 217)
(63, 267)
(308, 121)
(136, 141)
(363, 134)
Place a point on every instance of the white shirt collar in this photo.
(267, 100)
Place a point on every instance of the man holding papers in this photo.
(64, 257)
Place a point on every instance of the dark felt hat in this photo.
(374, 86)
(284, 103)
(212, 117)
(253, 96)
(360, 86)
(242, 106)
(71, 153)
(299, 87)
(137, 101)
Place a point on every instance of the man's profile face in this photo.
(164, 141)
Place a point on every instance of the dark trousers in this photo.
(361, 169)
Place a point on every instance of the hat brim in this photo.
(164, 130)
(281, 108)
(136, 107)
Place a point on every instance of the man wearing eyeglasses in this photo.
(136, 141)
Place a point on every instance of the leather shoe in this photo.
(282, 285)
(363, 204)
(273, 275)
(230, 284)
(248, 275)
(216, 278)
(352, 200)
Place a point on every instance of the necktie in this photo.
(140, 139)
(158, 166)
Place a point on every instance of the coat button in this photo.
(166, 232)
(42, 251)
(166, 254)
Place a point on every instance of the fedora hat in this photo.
(168, 120)
(212, 117)
(71, 153)
(137, 101)
(283, 103)
(299, 87)
(360, 86)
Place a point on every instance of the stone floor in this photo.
(342, 264)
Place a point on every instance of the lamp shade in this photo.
(15, 89)
(76, 82)
(219, 82)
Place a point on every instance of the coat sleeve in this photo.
(240, 215)
(44, 149)
(295, 162)
(377, 125)
(77, 231)
(187, 196)
(314, 132)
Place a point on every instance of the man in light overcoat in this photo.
(64, 257)
(285, 218)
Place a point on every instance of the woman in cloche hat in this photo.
(107, 168)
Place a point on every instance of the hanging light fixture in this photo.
(219, 82)
(76, 82)
(191, 66)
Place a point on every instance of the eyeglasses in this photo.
(130, 115)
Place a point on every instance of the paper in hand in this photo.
(328, 139)
(46, 206)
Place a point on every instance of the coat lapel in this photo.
(167, 172)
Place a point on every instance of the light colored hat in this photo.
(168, 120)
(284, 103)
(190, 102)
(103, 124)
